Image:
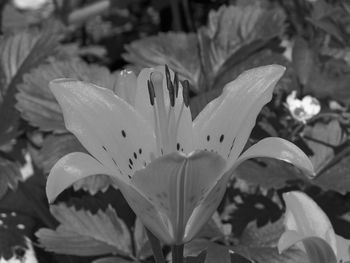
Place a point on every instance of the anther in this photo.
(151, 92)
(170, 86)
(186, 92)
(176, 84)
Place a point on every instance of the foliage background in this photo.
(207, 42)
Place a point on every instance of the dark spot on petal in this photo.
(123, 133)
(144, 163)
(130, 167)
(135, 155)
(129, 176)
(104, 148)
(114, 162)
(140, 151)
(178, 146)
(131, 162)
(208, 138)
(221, 138)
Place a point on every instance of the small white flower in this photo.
(304, 109)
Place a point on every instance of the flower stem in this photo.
(156, 247)
(177, 252)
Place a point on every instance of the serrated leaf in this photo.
(36, 102)
(9, 175)
(268, 173)
(260, 244)
(19, 54)
(266, 236)
(230, 28)
(85, 234)
(178, 50)
(322, 139)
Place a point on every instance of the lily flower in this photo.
(171, 170)
(304, 109)
(308, 227)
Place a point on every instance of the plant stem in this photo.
(177, 252)
(156, 247)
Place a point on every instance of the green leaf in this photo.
(9, 176)
(323, 84)
(336, 178)
(230, 28)
(19, 54)
(260, 245)
(303, 59)
(215, 252)
(322, 139)
(268, 173)
(234, 66)
(197, 259)
(237, 64)
(178, 50)
(85, 234)
(36, 102)
(112, 260)
(266, 236)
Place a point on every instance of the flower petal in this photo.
(290, 238)
(278, 148)
(343, 248)
(304, 216)
(182, 113)
(107, 126)
(206, 208)
(317, 249)
(126, 86)
(217, 126)
(150, 216)
(175, 184)
(69, 169)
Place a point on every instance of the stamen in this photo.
(151, 92)
(186, 92)
(170, 86)
(176, 84)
